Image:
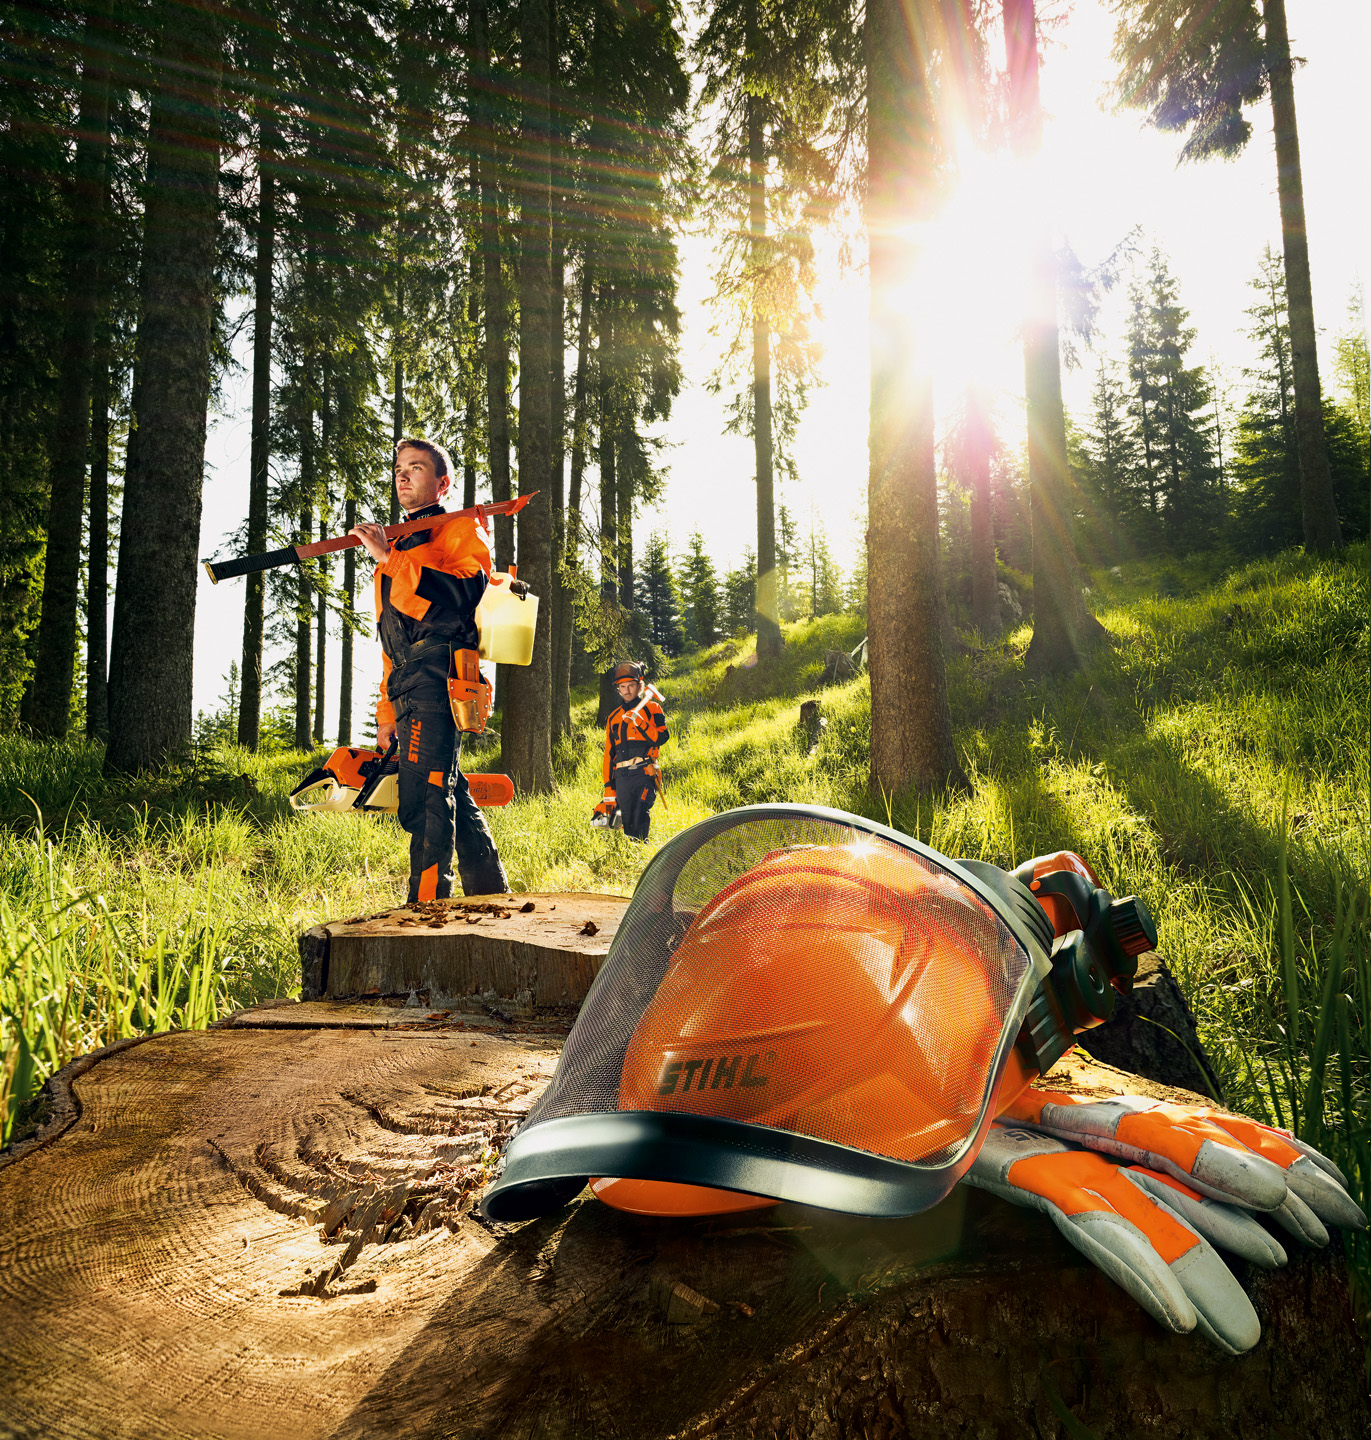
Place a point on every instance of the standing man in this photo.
(428, 585)
(633, 735)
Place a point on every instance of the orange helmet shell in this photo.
(798, 1005)
(838, 992)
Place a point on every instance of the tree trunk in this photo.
(497, 335)
(398, 415)
(623, 528)
(349, 598)
(321, 630)
(259, 475)
(50, 702)
(473, 322)
(526, 731)
(1063, 629)
(911, 725)
(561, 590)
(1319, 509)
(154, 608)
(303, 616)
(571, 553)
(97, 563)
(767, 608)
(609, 490)
(985, 592)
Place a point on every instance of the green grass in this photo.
(1212, 758)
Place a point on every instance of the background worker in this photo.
(428, 585)
(633, 734)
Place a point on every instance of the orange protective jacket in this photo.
(427, 589)
(634, 732)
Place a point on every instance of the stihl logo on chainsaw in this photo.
(678, 1076)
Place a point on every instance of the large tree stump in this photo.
(267, 1230)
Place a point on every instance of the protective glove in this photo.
(1124, 1222)
(1226, 1157)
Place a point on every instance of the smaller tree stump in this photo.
(524, 952)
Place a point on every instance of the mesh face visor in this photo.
(798, 1004)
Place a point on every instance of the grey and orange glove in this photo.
(1225, 1157)
(1115, 1218)
(1151, 1226)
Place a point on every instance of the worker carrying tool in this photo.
(632, 771)
(429, 584)
(803, 1005)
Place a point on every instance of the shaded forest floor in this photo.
(1224, 726)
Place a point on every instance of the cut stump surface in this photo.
(266, 1230)
(531, 952)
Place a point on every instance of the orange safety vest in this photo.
(425, 591)
(634, 733)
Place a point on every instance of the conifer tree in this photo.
(152, 652)
(50, 703)
(740, 596)
(699, 586)
(1194, 66)
(658, 596)
(911, 734)
(771, 82)
(1063, 629)
(1181, 393)
(1267, 509)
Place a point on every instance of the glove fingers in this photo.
(1223, 1225)
(1301, 1221)
(1176, 1140)
(1318, 1157)
(1323, 1195)
(1223, 1313)
(1121, 1251)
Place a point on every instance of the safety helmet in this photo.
(798, 1005)
(629, 670)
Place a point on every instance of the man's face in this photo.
(417, 484)
(628, 690)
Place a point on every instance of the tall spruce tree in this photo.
(1194, 66)
(911, 733)
(1063, 629)
(770, 84)
(154, 632)
(50, 703)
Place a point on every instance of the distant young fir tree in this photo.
(658, 598)
(1267, 502)
(740, 595)
(1171, 438)
(699, 586)
(1109, 471)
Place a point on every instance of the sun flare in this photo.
(967, 293)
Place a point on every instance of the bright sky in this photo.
(1106, 174)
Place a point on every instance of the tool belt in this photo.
(424, 664)
(470, 696)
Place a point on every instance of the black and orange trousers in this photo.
(436, 808)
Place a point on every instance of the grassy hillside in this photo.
(1224, 727)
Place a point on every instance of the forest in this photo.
(1137, 626)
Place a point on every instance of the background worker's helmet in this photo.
(629, 670)
(798, 1005)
